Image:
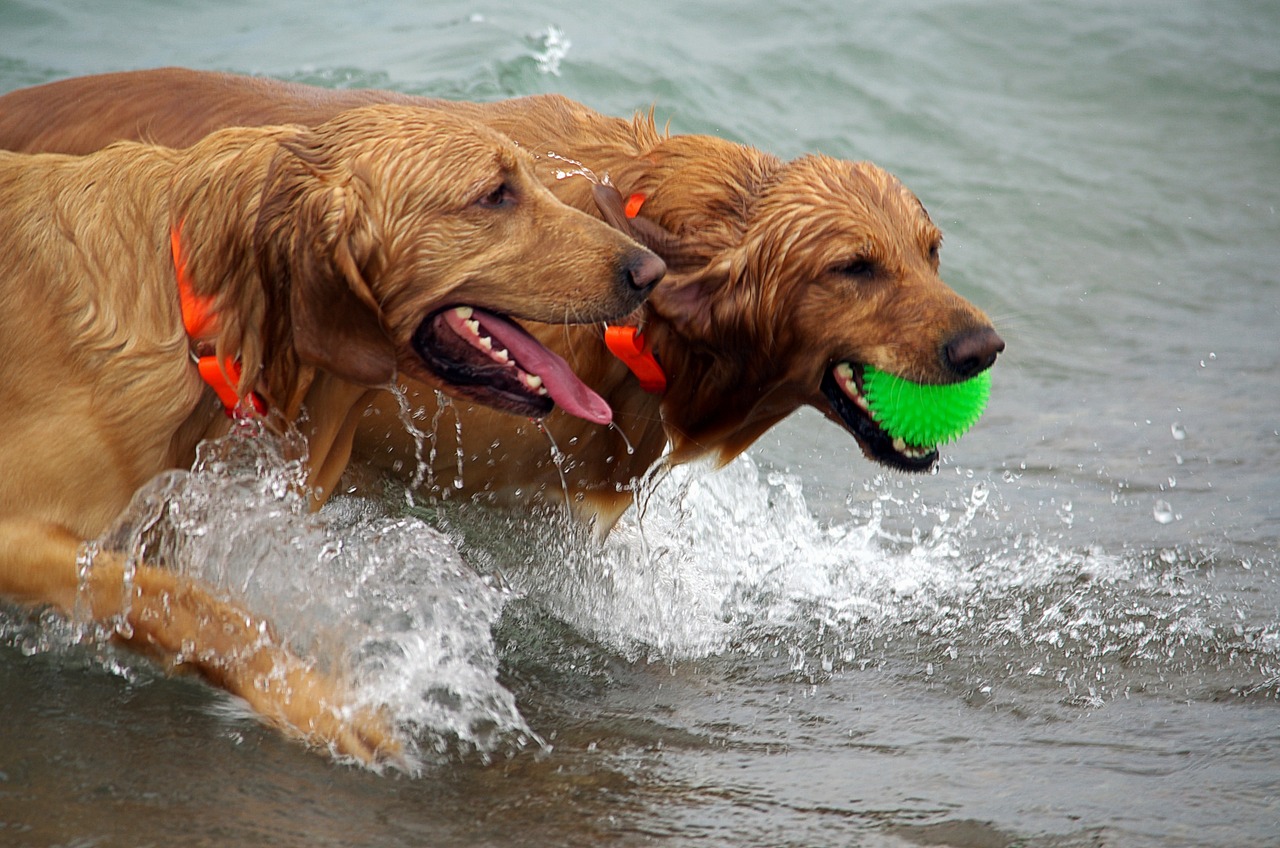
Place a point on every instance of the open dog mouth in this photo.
(842, 386)
(492, 360)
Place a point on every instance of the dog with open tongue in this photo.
(512, 364)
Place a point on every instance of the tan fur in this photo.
(753, 314)
(323, 250)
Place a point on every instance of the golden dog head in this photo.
(782, 274)
(407, 236)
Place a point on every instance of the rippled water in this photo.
(1066, 637)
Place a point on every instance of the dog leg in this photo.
(335, 408)
(175, 620)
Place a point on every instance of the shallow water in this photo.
(1068, 636)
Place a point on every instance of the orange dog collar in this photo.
(200, 321)
(630, 345)
(634, 202)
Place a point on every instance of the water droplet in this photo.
(577, 169)
(1179, 432)
(557, 458)
(407, 417)
(630, 449)
(1163, 512)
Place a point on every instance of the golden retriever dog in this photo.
(305, 268)
(785, 279)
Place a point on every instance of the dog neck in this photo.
(200, 319)
(631, 348)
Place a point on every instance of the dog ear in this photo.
(314, 219)
(679, 253)
(687, 302)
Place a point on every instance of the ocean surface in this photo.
(1067, 636)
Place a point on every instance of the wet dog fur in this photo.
(780, 272)
(323, 250)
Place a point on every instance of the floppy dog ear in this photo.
(314, 219)
(688, 301)
(679, 253)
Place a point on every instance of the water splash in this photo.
(459, 455)
(385, 601)
(734, 562)
(576, 169)
(557, 458)
(554, 46)
(407, 413)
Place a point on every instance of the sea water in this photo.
(1066, 636)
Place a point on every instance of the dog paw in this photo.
(317, 708)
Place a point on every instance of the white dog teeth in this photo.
(844, 372)
(484, 342)
(531, 381)
(900, 445)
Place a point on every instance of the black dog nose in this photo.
(644, 269)
(973, 351)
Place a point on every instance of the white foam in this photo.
(735, 561)
(555, 47)
(707, 563)
(385, 600)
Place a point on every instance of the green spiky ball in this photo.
(922, 415)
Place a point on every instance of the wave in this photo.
(735, 563)
(436, 623)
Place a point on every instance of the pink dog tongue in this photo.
(573, 395)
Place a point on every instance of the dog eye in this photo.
(496, 199)
(860, 268)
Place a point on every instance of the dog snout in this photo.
(972, 351)
(643, 270)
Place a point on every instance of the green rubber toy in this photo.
(922, 415)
